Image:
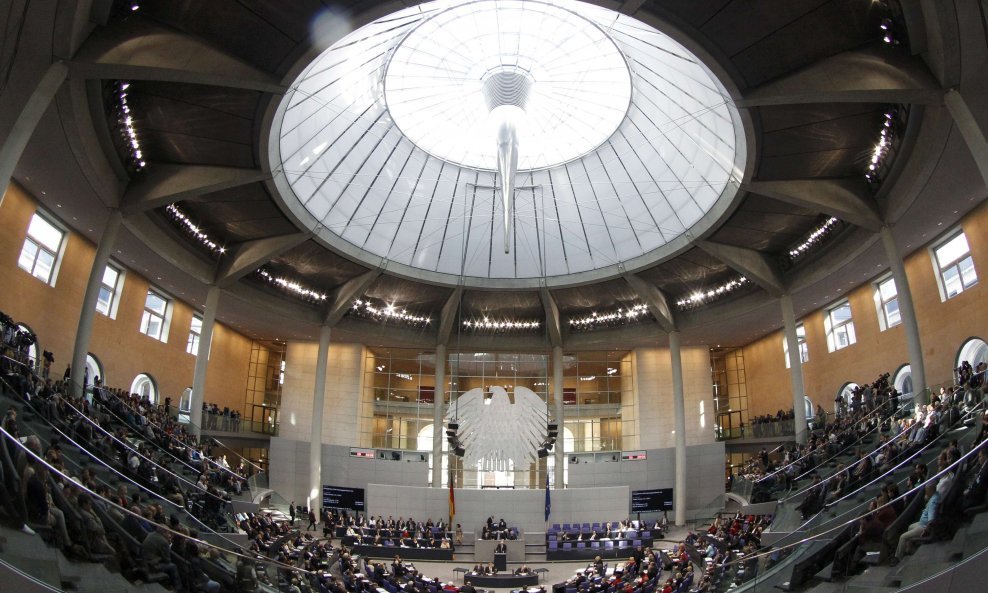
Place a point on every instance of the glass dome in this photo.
(626, 145)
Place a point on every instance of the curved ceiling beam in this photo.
(755, 265)
(970, 130)
(163, 184)
(448, 315)
(552, 323)
(249, 255)
(268, 302)
(871, 75)
(846, 199)
(656, 301)
(138, 49)
(343, 297)
(172, 251)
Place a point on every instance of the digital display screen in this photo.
(651, 501)
(335, 497)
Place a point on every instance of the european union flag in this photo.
(548, 499)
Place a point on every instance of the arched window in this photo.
(185, 404)
(903, 380)
(94, 369)
(844, 393)
(145, 385)
(974, 350)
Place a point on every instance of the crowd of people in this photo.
(401, 532)
(498, 530)
(215, 418)
(108, 476)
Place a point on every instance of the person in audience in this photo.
(918, 529)
(157, 553)
(878, 518)
(976, 486)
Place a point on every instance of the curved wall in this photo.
(943, 327)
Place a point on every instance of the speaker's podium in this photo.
(501, 562)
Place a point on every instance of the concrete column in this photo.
(27, 120)
(438, 430)
(795, 368)
(679, 409)
(557, 390)
(88, 314)
(908, 313)
(314, 497)
(202, 358)
(972, 133)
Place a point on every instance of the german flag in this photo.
(452, 497)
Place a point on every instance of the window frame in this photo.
(164, 316)
(153, 393)
(881, 303)
(192, 344)
(115, 291)
(804, 349)
(955, 264)
(56, 255)
(834, 329)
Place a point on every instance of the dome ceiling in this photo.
(210, 86)
(386, 144)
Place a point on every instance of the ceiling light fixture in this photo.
(292, 286)
(366, 308)
(193, 229)
(702, 297)
(617, 317)
(815, 237)
(487, 324)
(883, 152)
(124, 125)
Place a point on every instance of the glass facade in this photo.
(399, 385)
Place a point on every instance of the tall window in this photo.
(840, 327)
(192, 346)
(887, 300)
(804, 351)
(955, 266)
(94, 369)
(106, 303)
(41, 249)
(155, 313)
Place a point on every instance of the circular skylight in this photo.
(450, 72)
(503, 143)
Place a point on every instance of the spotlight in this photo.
(543, 453)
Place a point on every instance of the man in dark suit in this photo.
(501, 548)
(467, 588)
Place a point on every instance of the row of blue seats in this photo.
(608, 544)
(629, 534)
(568, 526)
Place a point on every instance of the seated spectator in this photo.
(157, 554)
(918, 529)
